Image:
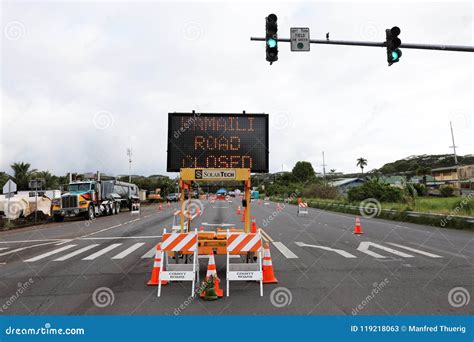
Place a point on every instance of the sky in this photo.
(83, 81)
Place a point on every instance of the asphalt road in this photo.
(394, 268)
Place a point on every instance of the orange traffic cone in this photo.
(243, 215)
(212, 271)
(160, 207)
(155, 274)
(253, 229)
(259, 202)
(357, 227)
(267, 266)
(238, 210)
(201, 229)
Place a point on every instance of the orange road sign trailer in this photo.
(214, 240)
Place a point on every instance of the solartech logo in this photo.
(214, 174)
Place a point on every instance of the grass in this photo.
(435, 205)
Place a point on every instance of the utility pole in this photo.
(454, 145)
(129, 154)
(324, 167)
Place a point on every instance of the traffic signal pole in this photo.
(439, 47)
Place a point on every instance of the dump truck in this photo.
(94, 197)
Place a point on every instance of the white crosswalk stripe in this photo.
(411, 249)
(102, 251)
(79, 251)
(150, 253)
(129, 250)
(45, 255)
(2, 248)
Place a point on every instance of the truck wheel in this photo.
(58, 218)
(90, 213)
(117, 208)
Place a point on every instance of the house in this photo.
(344, 184)
(460, 177)
(395, 181)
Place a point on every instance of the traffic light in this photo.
(392, 43)
(271, 38)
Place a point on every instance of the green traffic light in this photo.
(271, 43)
(396, 54)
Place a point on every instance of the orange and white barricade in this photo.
(177, 221)
(184, 243)
(302, 209)
(135, 208)
(239, 243)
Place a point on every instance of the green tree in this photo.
(22, 174)
(4, 177)
(423, 171)
(361, 162)
(50, 181)
(303, 171)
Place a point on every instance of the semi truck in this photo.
(94, 197)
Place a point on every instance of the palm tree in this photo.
(423, 171)
(361, 162)
(332, 171)
(22, 174)
(50, 181)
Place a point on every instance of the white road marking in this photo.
(150, 253)
(102, 251)
(131, 221)
(431, 255)
(364, 248)
(284, 250)
(338, 251)
(129, 250)
(99, 231)
(2, 248)
(27, 247)
(121, 237)
(79, 251)
(218, 224)
(45, 255)
(26, 241)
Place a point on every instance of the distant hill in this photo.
(412, 163)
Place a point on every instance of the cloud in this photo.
(139, 63)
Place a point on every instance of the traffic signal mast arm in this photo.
(441, 47)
